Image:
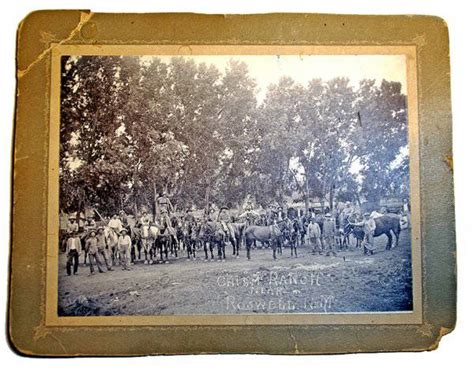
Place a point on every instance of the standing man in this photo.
(369, 226)
(71, 227)
(329, 234)
(73, 250)
(102, 247)
(93, 251)
(125, 246)
(314, 236)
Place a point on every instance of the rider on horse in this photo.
(164, 204)
(115, 224)
(224, 219)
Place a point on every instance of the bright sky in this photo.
(267, 69)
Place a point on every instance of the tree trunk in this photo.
(331, 198)
(306, 194)
(135, 208)
(154, 207)
(206, 198)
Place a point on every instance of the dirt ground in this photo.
(348, 282)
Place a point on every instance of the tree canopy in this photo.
(133, 127)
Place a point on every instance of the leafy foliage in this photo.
(133, 127)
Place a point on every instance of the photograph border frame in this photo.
(52, 318)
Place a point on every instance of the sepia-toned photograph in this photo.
(234, 185)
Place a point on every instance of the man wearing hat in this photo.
(224, 219)
(145, 219)
(369, 226)
(123, 218)
(314, 236)
(189, 217)
(125, 246)
(102, 247)
(329, 234)
(72, 226)
(164, 204)
(93, 251)
(115, 224)
(89, 225)
(73, 250)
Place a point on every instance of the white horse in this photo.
(112, 240)
(148, 235)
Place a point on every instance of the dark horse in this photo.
(238, 228)
(386, 224)
(211, 233)
(190, 238)
(272, 234)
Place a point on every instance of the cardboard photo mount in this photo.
(43, 35)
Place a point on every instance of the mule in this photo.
(271, 234)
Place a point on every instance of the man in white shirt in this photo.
(73, 250)
(115, 224)
(124, 246)
(369, 230)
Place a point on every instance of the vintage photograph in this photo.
(234, 184)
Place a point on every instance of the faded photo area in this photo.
(243, 184)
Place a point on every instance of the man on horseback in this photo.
(224, 219)
(89, 225)
(72, 226)
(164, 204)
(189, 217)
(145, 219)
(115, 224)
(124, 219)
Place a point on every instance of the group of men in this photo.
(84, 237)
(93, 242)
(320, 231)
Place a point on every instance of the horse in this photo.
(211, 233)
(112, 238)
(178, 235)
(148, 235)
(135, 253)
(296, 230)
(190, 235)
(165, 239)
(272, 234)
(238, 229)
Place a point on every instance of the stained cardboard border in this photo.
(40, 34)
